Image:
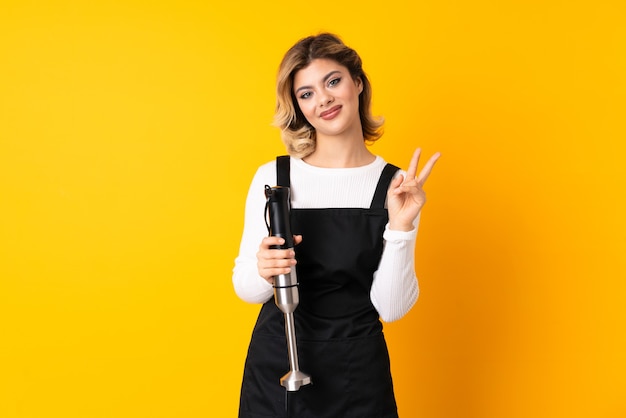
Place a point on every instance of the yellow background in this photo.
(129, 132)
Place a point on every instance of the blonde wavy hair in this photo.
(296, 132)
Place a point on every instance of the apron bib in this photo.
(339, 334)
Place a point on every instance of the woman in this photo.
(355, 219)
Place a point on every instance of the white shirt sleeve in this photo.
(395, 288)
(248, 284)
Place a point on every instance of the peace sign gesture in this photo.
(406, 196)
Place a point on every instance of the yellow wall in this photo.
(129, 131)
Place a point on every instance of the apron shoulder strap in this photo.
(282, 171)
(380, 195)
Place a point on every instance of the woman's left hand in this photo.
(406, 196)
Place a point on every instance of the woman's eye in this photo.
(305, 95)
(334, 82)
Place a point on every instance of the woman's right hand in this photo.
(271, 262)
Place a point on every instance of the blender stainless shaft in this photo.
(286, 294)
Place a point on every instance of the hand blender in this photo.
(285, 285)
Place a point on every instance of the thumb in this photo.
(297, 239)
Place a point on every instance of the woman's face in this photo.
(329, 98)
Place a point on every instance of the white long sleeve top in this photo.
(394, 289)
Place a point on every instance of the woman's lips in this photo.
(330, 113)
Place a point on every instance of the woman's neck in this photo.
(340, 152)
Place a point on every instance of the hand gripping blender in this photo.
(285, 285)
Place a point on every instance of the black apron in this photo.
(338, 331)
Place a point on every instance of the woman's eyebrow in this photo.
(326, 77)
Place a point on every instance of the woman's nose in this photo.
(325, 99)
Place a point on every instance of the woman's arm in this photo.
(248, 283)
(395, 288)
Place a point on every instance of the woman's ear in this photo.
(359, 84)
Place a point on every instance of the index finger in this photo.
(272, 240)
(410, 173)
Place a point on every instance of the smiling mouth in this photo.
(330, 113)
